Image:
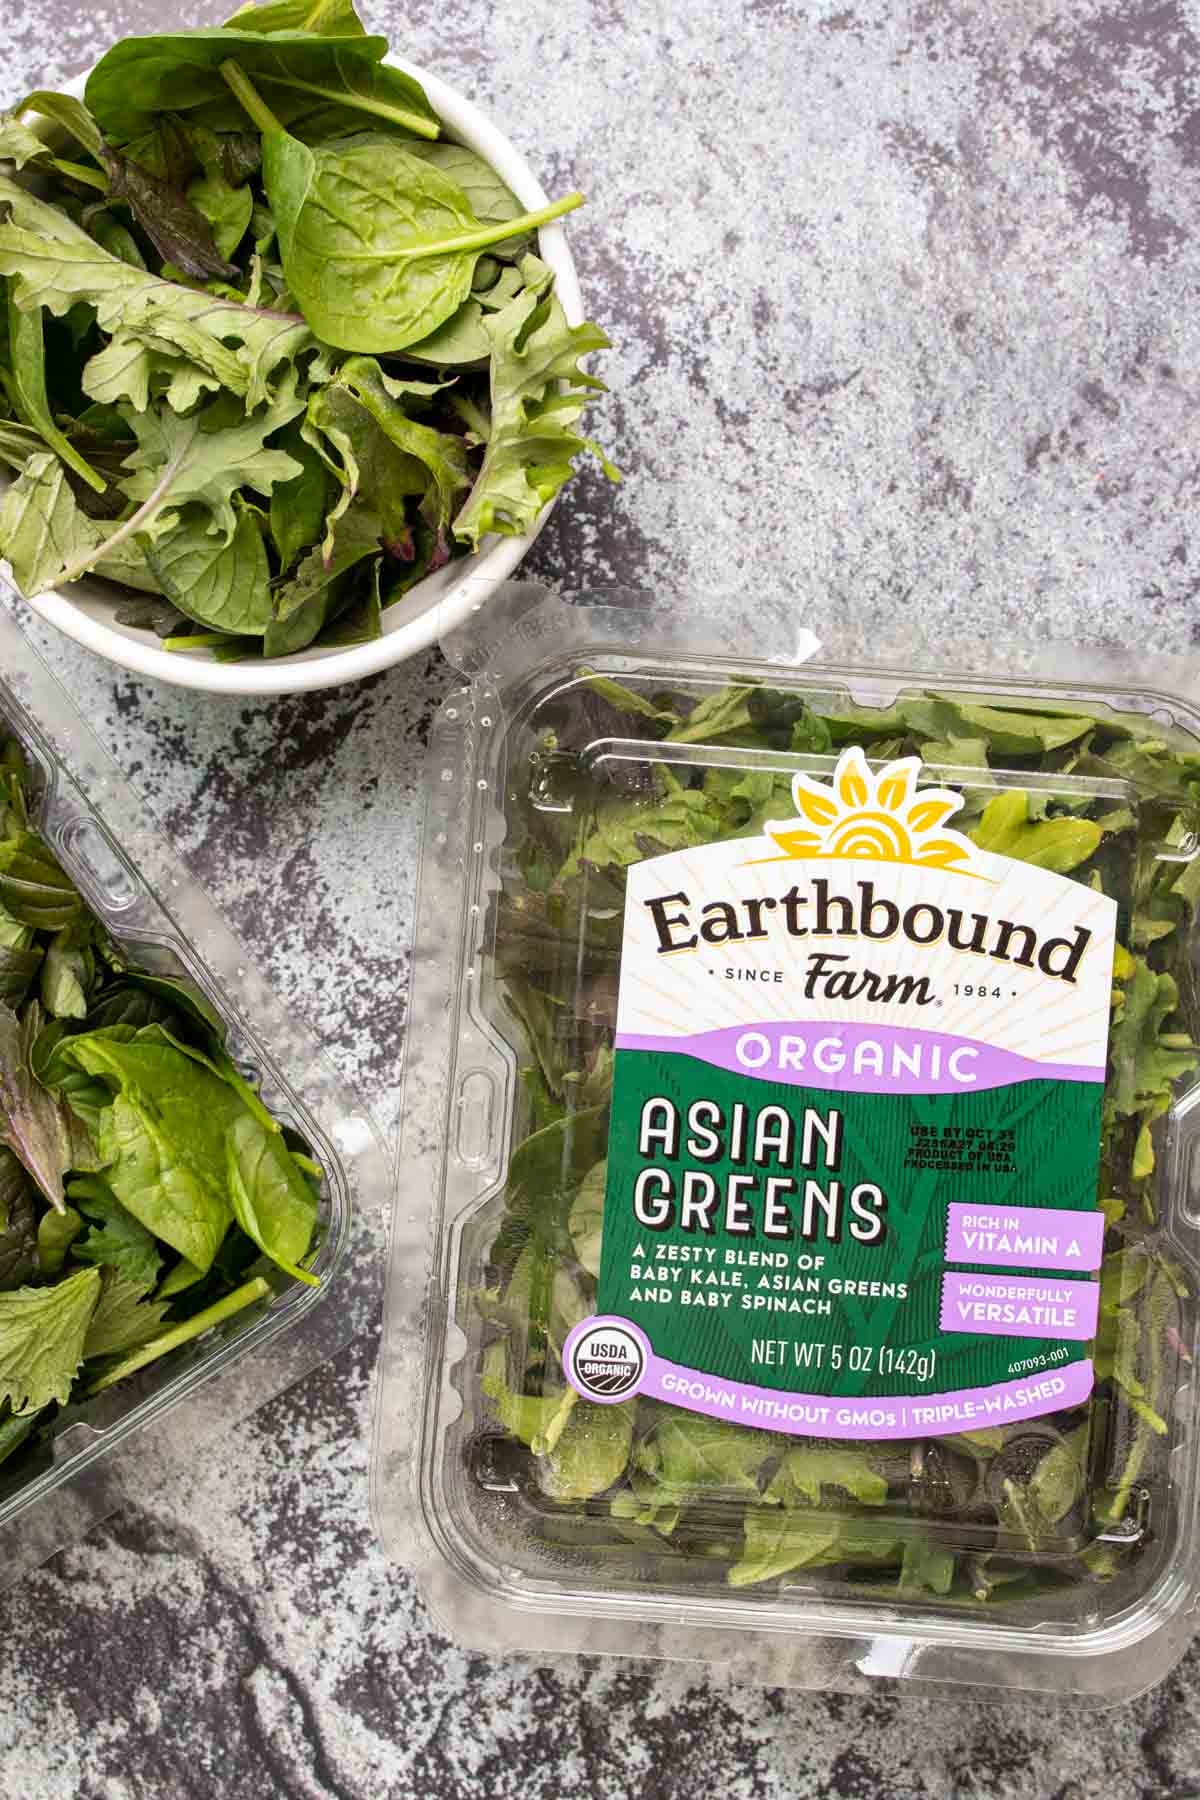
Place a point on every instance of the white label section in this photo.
(997, 954)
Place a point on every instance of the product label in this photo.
(854, 1151)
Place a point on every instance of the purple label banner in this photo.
(1024, 1237)
(626, 1348)
(1008, 1306)
(862, 1059)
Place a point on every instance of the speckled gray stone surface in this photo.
(905, 304)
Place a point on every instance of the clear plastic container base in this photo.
(126, 1441)
(1051, 1549)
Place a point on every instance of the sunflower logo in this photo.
(880, 817)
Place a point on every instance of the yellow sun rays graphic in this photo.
(868, 817)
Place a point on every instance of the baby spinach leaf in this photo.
(1058, 844)
(927, 1565)
(490, 200)
(310, 598)
(181, 71)
(778, 1539)
(378, 247)
(162, 1138)
(363, 622)
(537, 1421)
(42, 1333)
(298, 506)
(56, 1233)
(689, 1457)
(589, 1454)
(272, 1202)
(222, 582)
(814, 1470)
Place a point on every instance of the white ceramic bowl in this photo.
(434, 605)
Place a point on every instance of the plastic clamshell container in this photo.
(1001, 1496)
(124, 1442)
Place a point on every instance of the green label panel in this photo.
(798, 1242)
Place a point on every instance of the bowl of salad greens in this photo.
(291, 353)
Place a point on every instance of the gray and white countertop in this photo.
(905, 300)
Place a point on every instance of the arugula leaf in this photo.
(42, 1333)
(204, 460)
(440, 456)
(65, 111)
(370, 466)
(53, 263)
(809, 1469)
(123, 1319)
(115, 1238)
(537, 1421)
(34, 889)
(538, 392)
(671, 817)
(18, 144)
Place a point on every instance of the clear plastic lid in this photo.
(91, 1456)
(800, 1114)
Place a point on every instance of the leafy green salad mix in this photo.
(272, 347)
(982, 1517)
(146, 1193)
